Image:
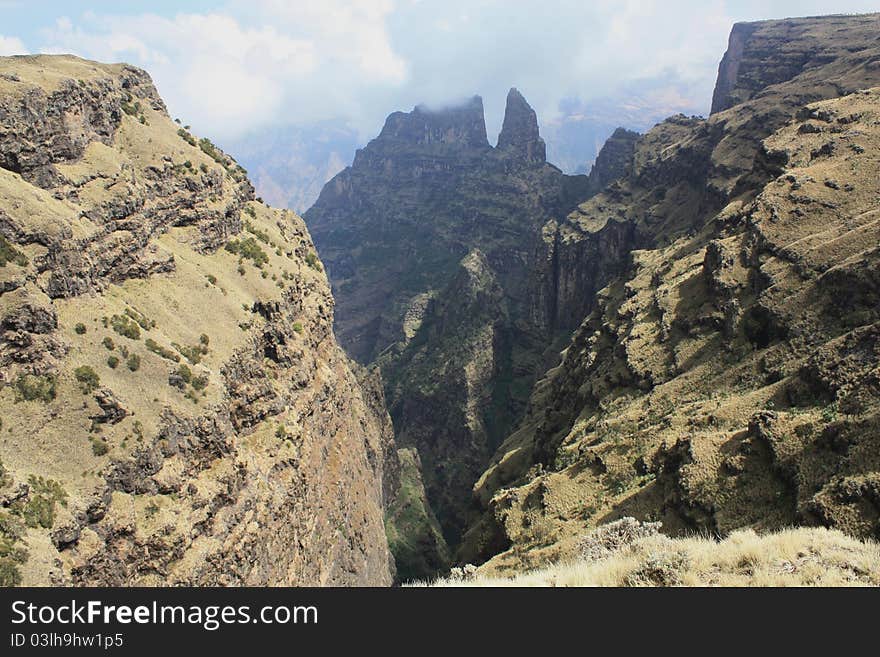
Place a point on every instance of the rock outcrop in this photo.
(519, 133)
(175, 408)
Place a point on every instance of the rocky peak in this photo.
(519, 132)
(461, 125)
(614, 159)
(767, 53)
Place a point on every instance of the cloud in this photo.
(251, 64)
(296, 62)
(12, 46)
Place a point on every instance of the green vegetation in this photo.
(247, 247)
(108, 343)
(133, 362)
(29, 387)
(87, 377)
(38, 508)
(200, 382)
(312, 261)
(156, 348)
(9, 253)
(11, 554)
(184, 373)
(209, 149)
(142, 320)
(99, 446)
(298, 327)
(125, 327)
(212, 279)
(193, 353)
(113, 362)
(261, 235)
(80, 328)
(188, 138)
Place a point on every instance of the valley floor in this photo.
(794, 557)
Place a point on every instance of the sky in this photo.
(231, 67)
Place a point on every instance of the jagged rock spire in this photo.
(519, 133)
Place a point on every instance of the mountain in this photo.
(723, 298)
(174, 405)
(428, 239)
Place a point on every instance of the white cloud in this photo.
(254, 63)
(11, 46)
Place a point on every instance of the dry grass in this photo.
(793, 557)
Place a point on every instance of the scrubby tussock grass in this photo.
(792, 557)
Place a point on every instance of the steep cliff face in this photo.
(417, 199)
(428, 239)
(175, 408)
(723, 375)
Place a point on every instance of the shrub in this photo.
(298, 327)
(133, 362)
(11, 555)
(200, 382)
(108, 343)
(209, 149)
(33, 387)
(606, 539)
(212, 279)
(142, 320)
(125, 327)
(184, 373)
(247, 247)
(156, 348)
(188, 138)
(204, 340)
(660, 569)
(192, 354)
(87, 378)
(80, 328)
(261, 235)
(113, 362)
(9, 253)
(312, 261)
(99, 447)
(39, 509)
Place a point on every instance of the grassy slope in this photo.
(793, 557)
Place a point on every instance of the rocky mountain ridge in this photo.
(724, 267)
(175, 408)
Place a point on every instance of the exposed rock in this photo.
(519, 132)
(738, 281)
(264, 462)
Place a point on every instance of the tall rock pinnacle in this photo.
(519, 133)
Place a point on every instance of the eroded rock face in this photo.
(429, 238)
(175, 407)
(519, 133)
(705, 385)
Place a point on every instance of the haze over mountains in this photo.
(482, 365)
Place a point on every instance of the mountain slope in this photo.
(429, 238)
(175, 408)
(724, 374)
